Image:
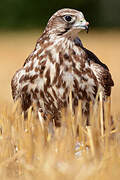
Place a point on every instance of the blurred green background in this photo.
(27, 14)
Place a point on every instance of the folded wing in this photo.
(100, 69)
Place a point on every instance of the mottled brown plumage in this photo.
(58, 64)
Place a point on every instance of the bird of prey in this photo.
(60, 63)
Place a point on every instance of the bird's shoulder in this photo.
(90, 55)
(15, 84)
(99, 69)
(103, 77)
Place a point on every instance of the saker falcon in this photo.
(60, 63)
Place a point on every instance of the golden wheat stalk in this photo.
(29, 150)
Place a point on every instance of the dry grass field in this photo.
(29, 150)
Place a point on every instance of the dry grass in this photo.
(31, 150)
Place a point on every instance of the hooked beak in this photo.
(84, 25)
(87, 27)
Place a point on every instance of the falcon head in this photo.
(67, 22)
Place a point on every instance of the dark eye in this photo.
(68, 18)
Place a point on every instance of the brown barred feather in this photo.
(58, 64)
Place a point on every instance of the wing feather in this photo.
(100, 69)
